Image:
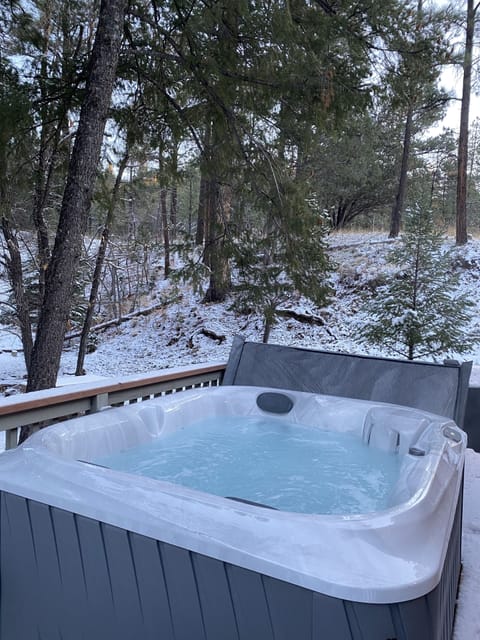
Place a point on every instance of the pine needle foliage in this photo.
(420, 312)
(287, 260)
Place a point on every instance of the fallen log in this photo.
(124, 318)
(300, 317)
(208, 333)
(304, 317)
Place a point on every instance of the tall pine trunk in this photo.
(174, 196)
(173, 211)
(13, 263)
(43, 180)
(166, 233)
(218, 204)
(203, 193)
(398, 205)
(462, 159)
(220, 200)
(87, 323)
(77, 198)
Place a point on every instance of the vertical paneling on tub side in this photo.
(68, 577)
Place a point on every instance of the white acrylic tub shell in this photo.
(388, 556)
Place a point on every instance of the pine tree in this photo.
(289, 259)
(15, 141)
(412, 79)
(420, 313)
(462, 157)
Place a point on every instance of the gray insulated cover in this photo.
(439, 388)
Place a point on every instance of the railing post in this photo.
(98, 402)
(11, 438)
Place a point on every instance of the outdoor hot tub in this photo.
(96, 544)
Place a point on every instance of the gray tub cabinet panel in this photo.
(47, 565)
(96, 573)
(215, 598)
(381, 625)
(330, 618)
(68, 577)
(150, 578)
(18, 586)
(183, 593)
(75, 598)
(472, 418)
(250, 604)
(282, 598)
(126, 596)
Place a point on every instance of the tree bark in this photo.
(15, 275)
(166, 233)
(13, 259)
(218, 216)
(267, 327)
(46, 160)
(190, 204)
(218, 204)
(398, 205)
(173, 211)
(77, 198)
(202, 204)
(43, 181)
(82, 349)
(462, 159)
(204, 192)
(174, 197)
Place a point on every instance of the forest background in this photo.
(222, 144)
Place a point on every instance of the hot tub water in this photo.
(273, 462)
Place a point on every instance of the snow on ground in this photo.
(181, 335)
(467, 618)
(173, 336)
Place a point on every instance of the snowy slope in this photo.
(174, 336)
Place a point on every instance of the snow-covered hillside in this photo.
(184, 332)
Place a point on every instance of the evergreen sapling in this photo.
(420, 312)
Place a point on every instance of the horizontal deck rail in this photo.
(45, 407)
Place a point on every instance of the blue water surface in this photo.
(270, 461)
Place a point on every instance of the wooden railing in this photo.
(40, 407)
